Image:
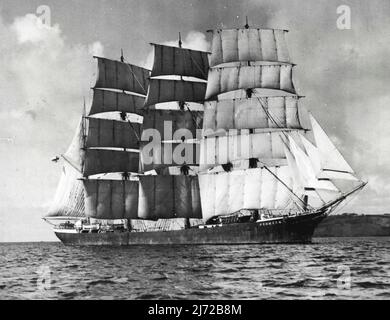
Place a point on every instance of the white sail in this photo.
(221, 80)
(313, 154)
(111, 199)
(178, 61)
(74, 155)
(226, 193)
(265, 146)
(69, 198)
(110, 101)
(161, 91)
(104, 133)
(122, 76)
(253, 113)
(248, 45)
(333, 163)
(323, 188)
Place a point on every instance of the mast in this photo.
(249, 157)
(172, 191)
(108, 146)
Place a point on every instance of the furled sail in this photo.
(122, 76)
(178, 61)
(110, 101)
(167, 197)
(104, 133)
(229, 192)
(103, 161)
(161, 91)
(278, 77)
(111, 199)
(248, 45)
(251, 114)
(69, 198)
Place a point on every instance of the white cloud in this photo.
(43, 81)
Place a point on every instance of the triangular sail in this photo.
(69, 198)
(323, 189)
(333, 163)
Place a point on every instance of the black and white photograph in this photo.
(201, 150)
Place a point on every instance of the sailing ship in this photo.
(205, 148)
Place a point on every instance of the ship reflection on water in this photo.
(330, 268)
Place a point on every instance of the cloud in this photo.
(43, 80)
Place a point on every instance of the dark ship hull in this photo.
(295, 229)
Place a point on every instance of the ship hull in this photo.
(297, 229)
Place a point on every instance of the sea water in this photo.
(330, 268)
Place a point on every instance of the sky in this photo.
(47, 70)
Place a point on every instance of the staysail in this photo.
(69, 197)
(332, 163)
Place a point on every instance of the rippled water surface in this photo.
(332, 268)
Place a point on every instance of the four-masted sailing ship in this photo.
(206, 148)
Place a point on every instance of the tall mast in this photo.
(238, 102)
(174, 191)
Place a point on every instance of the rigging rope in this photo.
(347, 202)
(286, 136)
(135, 77)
